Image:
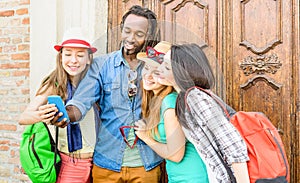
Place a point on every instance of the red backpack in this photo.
(265, 148)
(268, 162)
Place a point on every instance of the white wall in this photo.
(48, 21)
(42, 37)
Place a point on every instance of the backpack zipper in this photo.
(34, 152)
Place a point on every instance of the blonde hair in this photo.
(153, 102)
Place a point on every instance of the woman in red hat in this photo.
(74, 57)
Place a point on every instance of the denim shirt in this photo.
(106, 82)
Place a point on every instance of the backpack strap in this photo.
(56, 142)
(228, 116)
(281, 152)
(51, 139)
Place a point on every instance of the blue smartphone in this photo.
(55, 99)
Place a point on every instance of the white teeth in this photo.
(129, 46)
(149, 82)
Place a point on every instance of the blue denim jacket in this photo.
(106, 83)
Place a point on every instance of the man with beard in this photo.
(113, 82)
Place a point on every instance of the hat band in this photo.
(76, 41)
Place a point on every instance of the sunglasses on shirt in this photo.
(122, 130)
(132, 88)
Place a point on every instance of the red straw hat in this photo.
(74, 38)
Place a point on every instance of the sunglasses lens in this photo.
(151, 52)
(132, 75)
(160, 58)
(132, 89)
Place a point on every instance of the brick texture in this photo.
(14, 84)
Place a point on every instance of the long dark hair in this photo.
(190, 68)
(153, 34)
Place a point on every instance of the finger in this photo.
(140, 127)
(136, 127)
(46, 106)
(48, 116)
(55, 119)
(50, 109)
(61, 124)
(136, 124)
(139, 123)
(48, 120)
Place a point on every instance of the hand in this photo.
(140, 125)
(63, 123)
(140, 129)
(47, 112)
(53, 120)
(73, 113)
(47, 115)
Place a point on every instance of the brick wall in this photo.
(14, 84)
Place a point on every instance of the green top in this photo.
(132, 157)
(191, 168)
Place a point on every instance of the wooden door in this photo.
(261, 65)
(253, 48)
(180, 21)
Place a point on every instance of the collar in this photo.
(119, 60)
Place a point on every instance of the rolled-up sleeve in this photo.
(89, 89)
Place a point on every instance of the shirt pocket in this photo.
(110, 87)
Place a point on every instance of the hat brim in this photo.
(59, 47)
(143, 57)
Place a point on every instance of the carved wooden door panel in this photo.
(252, 49)
(180, 21)
(260, 65)
(172, 15)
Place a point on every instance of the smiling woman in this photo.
(160, 128)
(198, 113)
(73, 59)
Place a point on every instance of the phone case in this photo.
(55, 99)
